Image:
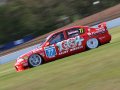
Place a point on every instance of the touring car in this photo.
(64, 43)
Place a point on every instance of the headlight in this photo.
(25, 57)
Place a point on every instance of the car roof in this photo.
(64, 29)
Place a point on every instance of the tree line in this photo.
(19, 18)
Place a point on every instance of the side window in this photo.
(57, 38)
(75, 32)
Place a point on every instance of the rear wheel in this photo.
(92, 43)
(35, 60)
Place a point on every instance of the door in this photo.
(52, 51)
(76, 41)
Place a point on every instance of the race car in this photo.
(64, 43)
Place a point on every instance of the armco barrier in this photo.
(13, 56)
(16, 43)
(112, 23)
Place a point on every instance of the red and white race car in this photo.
(64, 43)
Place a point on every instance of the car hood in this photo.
(26, 55)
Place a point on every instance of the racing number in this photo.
(81, 30)
(50, 51)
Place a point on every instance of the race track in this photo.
(97, 69)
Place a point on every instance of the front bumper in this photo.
(20, 66)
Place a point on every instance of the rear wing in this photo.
(103, 25)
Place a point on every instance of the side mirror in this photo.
(47, 44)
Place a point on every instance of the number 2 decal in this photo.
(50, 51)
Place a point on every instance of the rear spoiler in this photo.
(103, 25)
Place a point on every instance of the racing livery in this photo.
(63, 43)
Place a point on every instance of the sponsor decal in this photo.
(72, 32)
(97, 32)
(70, 44)
(50, 51)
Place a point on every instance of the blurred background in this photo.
(32, 18)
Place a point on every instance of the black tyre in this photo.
(35, 60)
(92, 43)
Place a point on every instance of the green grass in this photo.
(97, 69)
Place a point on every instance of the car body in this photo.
(64, 43)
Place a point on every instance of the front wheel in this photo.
(35, 60)
(92, 43)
